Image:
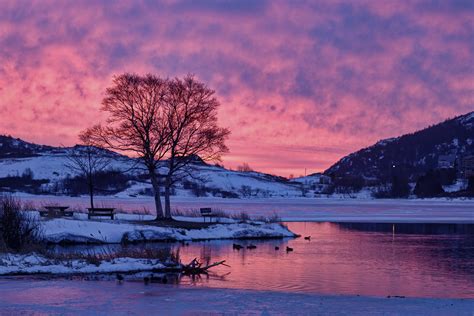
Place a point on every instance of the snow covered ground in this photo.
(99, 297)
(50, 166)
(81, 230)
(37, 264)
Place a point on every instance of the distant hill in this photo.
(38, 169)
(410, 155)
(16, 148)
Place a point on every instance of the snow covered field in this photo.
(99, 297)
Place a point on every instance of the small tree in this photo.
(193, 132)
(87, 161)
(400, 187)
(428, 185)
(245, 167)
(136, 124)
(28, 174)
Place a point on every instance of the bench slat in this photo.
(56, 211)
(206, 212)
(101, 212)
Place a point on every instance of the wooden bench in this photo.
(207, 212)
(56, 211)
(100, 212)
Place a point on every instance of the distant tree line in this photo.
(429, 184)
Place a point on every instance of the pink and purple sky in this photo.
(302, 83)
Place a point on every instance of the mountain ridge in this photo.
(411, 154)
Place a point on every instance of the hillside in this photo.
(411, 155)
(16, 148)
(38, 169)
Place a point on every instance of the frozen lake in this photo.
(298, 209)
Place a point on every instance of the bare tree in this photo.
(245, 167)
(191, 118)
(87, 161)
(136, 123)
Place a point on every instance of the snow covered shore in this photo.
(11, 264)
(79, 230)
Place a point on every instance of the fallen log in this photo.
(196, 267)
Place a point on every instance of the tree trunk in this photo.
(156, 193)
(167, 198)
(91, 193)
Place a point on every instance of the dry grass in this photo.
(166, 256)
(19, 230)
(242, 216)
(274, 218)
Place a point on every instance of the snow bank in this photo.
(84, 231)
(34, 264)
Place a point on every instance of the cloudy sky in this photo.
(301, 83)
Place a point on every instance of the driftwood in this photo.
(195, 267)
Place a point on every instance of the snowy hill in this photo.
(411, 155)
(44, 169)
(46, 162)
(16, 148)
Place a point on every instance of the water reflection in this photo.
(407, 228)
(366, 259)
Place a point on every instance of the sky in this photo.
(301, 83)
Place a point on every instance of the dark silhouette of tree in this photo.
(194, 135)
(136, 124)
(428, 185)
(400, 187)
(470, 185)
(87, 161)
(245, 167)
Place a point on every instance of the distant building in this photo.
(446, 161)
(467, 166)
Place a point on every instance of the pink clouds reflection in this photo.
(301, 83)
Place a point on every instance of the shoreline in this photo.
(359, 220)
